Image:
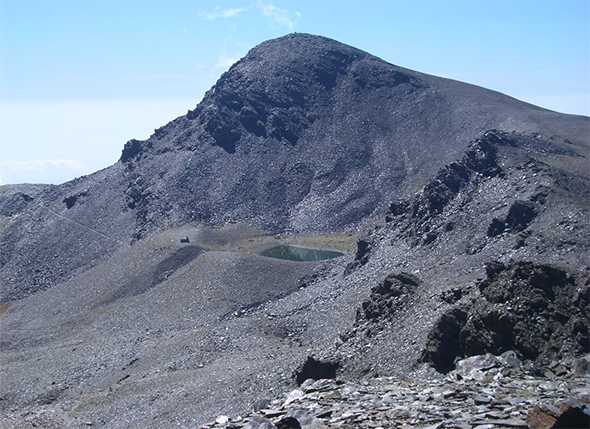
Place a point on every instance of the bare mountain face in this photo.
(138, 295)
(302, 134)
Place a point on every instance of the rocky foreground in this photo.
(483, 392)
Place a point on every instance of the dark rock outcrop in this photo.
(71, 200)
(520, 215)
(316, 369)
(418, 213)
(288, 423)
(537, 310)
(132, 150)
(444, 345)
(386, 296)
(14, 203)
(363, 249)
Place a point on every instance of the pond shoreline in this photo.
(299, 253)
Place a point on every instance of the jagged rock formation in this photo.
(442, 236)
(100, 275)
(537, 310)
(388, 295)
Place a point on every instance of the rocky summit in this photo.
(392, 248)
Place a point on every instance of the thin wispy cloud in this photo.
(219, 13)
(280, 16)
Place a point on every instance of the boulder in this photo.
(477, 367)
(363, 248)
(288, 423)
(520, 215)
(316, 370)
(132, 150)
(567, 415)
(257, 422)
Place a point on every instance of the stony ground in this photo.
(484, 392)
(481, 261)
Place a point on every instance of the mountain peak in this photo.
(303, 43)
(273, 91)
(297, 53)
(316, 135)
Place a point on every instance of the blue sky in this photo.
(78, 79)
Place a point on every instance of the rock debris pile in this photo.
(483, 392)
